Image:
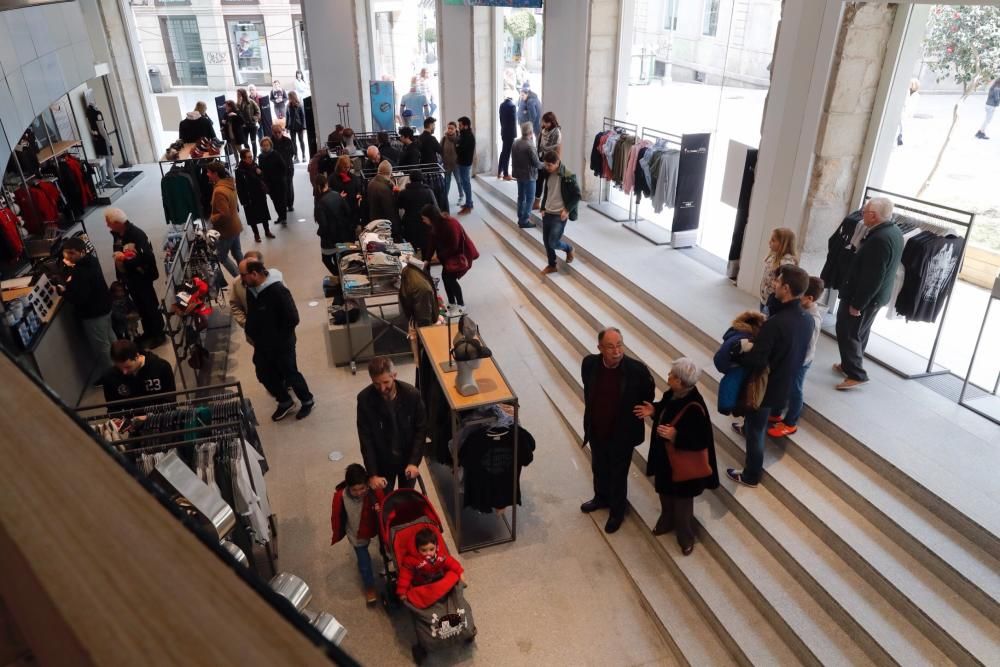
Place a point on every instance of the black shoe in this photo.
(290, 208)
(304, 410)
(613, 524)
(592, 505)
(257, 238)
(270, 236)
(981, 135)
(282, 411)
(662, 527)
(527, 225)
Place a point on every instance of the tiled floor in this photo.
(557, 596)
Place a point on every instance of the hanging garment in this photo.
(11, 245)
(179, 192)
(931, 262)
(487, 457)
(665, 169)
(249, 503)
(840, 252)
(628, 182)
(38, 208)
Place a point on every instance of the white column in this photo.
(455, 70)
(801, 71)
(334, 51)
(564, 74)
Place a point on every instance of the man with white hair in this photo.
(136, 266)
(613, 384)
(382, 198)
(868, 287)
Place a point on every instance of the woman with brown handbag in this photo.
(454, 249)
(681, 452)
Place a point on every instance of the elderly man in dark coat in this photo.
(382, 199)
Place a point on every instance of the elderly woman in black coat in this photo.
(681, 452)
(253, 194)
(274, 174)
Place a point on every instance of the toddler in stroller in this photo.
(426, 578)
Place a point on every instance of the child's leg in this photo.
(365, 566)
(795, 398)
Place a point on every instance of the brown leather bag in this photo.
(687, 465)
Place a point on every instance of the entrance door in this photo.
(183, 42)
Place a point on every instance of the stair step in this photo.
(959, 563)
(941, 614)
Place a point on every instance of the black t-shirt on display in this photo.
(487, 456)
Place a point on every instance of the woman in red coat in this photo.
(454, 249)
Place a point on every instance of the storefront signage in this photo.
(383, 96)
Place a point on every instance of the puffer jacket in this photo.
(225, 216)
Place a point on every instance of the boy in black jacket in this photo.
(271, 321)
(84, 287)
(781, 346)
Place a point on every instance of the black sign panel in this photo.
(690, 181)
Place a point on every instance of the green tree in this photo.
(430, 35)
(962, 42)
(521, 25)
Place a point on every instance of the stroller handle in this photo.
(420, 483)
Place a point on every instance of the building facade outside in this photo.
(221, 44)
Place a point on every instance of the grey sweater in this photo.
(524, 160)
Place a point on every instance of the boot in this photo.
(665, 523)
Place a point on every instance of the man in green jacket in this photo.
(560, 199)
(868, 288)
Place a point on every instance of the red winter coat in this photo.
(424, 582)
(449, 239)
(369, 515)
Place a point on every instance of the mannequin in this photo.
(469, 352)
(102, 143)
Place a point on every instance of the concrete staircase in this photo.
(832, 560)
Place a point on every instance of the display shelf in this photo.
(53, 151)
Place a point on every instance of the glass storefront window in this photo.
(701, 66)
(248, 42)
(404, 52)
(183, 43)
(299, 26)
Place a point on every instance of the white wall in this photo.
(564, 74)
(44, 54)
(455, 33)
(334, 52)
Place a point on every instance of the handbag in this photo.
(687, 465)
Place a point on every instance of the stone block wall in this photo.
(847, 115)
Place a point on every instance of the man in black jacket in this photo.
(508, 133)
(867, 288)
(613, 384)
(392, 427)
(411, 150)
(84, 287)
(271, 321)
(466, 151)
(135, 264)
(430, 147)
(334, 223)
(781, 346)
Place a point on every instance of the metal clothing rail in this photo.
(647, 229)
(902, 361)
(239, 423)
(603, 204)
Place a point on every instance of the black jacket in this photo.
(637, 386)
(466, 148)
(874, 269)
(376, 428)
(142, 267)
(253, 197)
(285, 147)
(193, 129)
(410, 154)
(694, 433)
(508, 119)
(295, 118)
(389, 152)
(333, 220)
(87, 290)
(430, 148)
(412, 200)
(271, 317)
(781, 345)
(273, 172)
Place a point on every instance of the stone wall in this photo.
(854, 81)
(484, 114)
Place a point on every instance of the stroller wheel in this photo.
(472, 638)
(419, 654)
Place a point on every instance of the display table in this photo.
(472, 530)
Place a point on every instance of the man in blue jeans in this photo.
(789, 424)
(466, 151)
(560, 199)
(780, 346)
(525, 166)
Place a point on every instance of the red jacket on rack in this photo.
(77, 168)
(37, 207)
(11, 245)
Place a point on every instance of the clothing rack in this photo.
(192, 256)
(236, 429)
(603, 204)
(907, 363)
(472, 531)
(652, 232)
(981, 400)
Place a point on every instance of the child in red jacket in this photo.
(355, 516)
(427, 568)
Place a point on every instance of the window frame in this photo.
(710, 18)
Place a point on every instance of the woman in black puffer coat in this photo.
(253, 194)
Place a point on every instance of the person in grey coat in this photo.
(525, 163)
(382, 199)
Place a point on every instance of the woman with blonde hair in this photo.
(782, 251)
